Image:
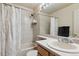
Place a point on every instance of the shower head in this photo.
(32, 14)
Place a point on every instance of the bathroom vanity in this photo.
(42, 50)
(45, 50)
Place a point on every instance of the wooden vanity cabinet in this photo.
(43, 52)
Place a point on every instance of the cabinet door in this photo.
(42, 51)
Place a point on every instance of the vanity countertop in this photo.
(44, 44)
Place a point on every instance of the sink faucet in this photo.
(64, 39)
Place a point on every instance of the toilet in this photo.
(32, 53)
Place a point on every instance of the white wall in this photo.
(65, 15)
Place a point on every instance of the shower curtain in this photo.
(15, 29)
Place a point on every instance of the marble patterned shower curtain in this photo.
(14, 26)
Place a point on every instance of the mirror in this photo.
(67, 16)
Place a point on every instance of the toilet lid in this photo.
(32, 53)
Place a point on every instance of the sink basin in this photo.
(64, 47)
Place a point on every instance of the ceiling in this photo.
(52, 8)
(29, 5)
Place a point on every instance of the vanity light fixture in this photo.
(44, 5)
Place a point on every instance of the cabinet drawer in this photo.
(42, 51)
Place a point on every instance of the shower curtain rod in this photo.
(17, 6)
